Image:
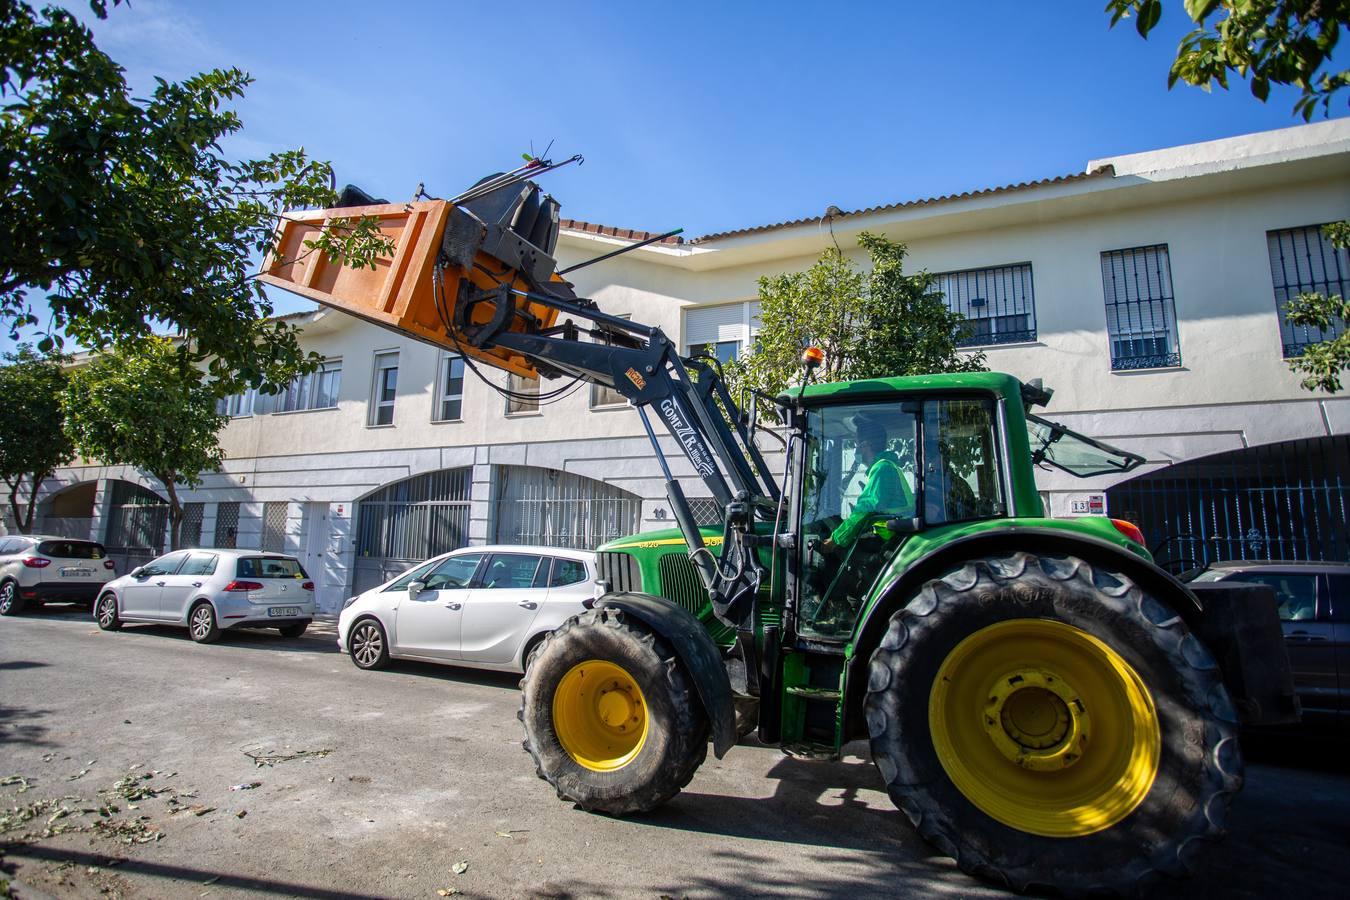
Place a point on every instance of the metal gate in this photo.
(409, 521)
(560, 509)
(1276, 501)
(137, 519)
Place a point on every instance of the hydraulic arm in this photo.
(477, 275)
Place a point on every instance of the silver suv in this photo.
(35, 568)
(1314, 605)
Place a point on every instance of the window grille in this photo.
(1303, 261)
(999, 303)
(137, 518)
(706, 511)
(451, 405)
(190, 531)
(417, 518)
(274, 527)
(227, 524)
(606, 396)
(1141, 318)
(560, 509)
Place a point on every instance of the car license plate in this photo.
(284, 611)
(74, 572)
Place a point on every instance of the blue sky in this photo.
(695, 115)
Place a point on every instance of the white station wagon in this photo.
(210, 591)
(485, 607)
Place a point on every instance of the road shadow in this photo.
(19, 725)
(458, 674)
(266, 639)
(187, 875)
(1298, 748)
(17, 664)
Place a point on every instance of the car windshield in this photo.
(71, 550)
(268, 567)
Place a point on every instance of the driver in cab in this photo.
(885, 492)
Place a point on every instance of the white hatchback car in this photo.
(210, 591)
(485, 607)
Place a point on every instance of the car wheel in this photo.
(202, 623)
(293, 631)
(10, 602)
(368, 646)
(105, 613)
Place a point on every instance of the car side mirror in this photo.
(137, 572)
(416, 587)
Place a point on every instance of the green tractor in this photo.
(1043, 703)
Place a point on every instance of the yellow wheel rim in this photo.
(600, 715)
(1044, 728)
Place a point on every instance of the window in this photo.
(528, 389)
(606, 396)
(383, 388)
(510, 571)
(450, 406)
(999, 303)
(71, 550)
(720, 331)
(268, 567)
(1141, 318)
(960, 462)
(190, 532)
(165, 565)
(274, 527)
(1303, 261)
(200, 564)
(454, 573)
(317, 390)
(227, 524)
(1295, 594)
(237, 405)
(567, 571)
(1340, 597)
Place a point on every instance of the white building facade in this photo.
(1145, 291)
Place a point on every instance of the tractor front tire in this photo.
(611, 717)
(1049, 725)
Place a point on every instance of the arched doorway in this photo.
(561, 509)
(1276, 501)
(67, 513)
(408, 521)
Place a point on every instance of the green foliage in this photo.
(33, 440)
(1265, 42)
(125, 212)
(1322, 363)
(872, 324)
(148, 406)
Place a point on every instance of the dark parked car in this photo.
(1314, 604)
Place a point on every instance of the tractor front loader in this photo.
(1043, 703)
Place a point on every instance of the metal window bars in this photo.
(1140, 308)
(274, 527)
(1303, 261)
(227, 525)
(999, 303)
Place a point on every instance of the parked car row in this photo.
(484, 607)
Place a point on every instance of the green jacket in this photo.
(885, 493)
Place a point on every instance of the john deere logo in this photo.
(638, 381)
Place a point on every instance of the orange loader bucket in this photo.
(399, 293)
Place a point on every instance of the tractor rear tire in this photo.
(611, 717)
(1051, 726)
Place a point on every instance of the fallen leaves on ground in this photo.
(460, 867)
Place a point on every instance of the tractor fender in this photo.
(1094, 550)
(696, 651)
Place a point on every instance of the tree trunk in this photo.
(38, 478)
(14, 503)
(175, 510)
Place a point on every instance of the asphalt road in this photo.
(418, 769)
